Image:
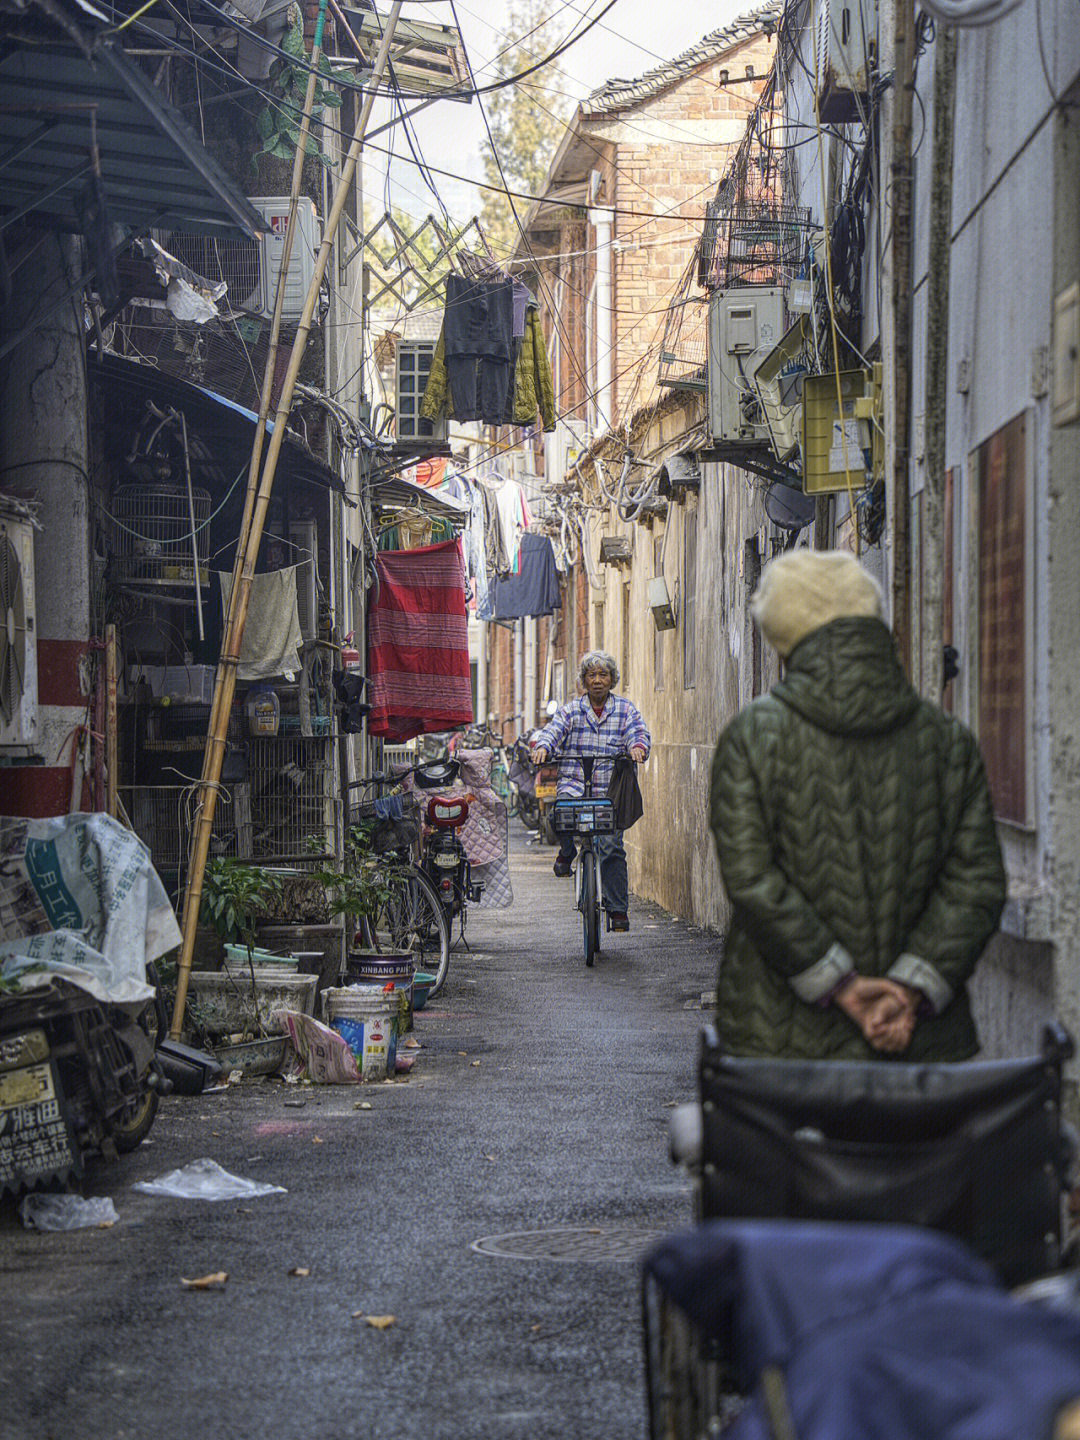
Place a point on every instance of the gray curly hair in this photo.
(595, 658)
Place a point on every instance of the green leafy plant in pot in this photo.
(235, 897)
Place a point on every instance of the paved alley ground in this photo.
(537, 1108)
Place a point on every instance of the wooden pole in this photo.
(901, 223)
(110, 721)
(932, 637)
(256, 503)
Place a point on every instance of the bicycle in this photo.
(584, 818)
(408, 914)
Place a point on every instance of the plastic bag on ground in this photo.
(324, 1055)
(66, 1212)
(206, 1180)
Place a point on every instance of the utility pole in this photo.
(937, 363)
(899, 39)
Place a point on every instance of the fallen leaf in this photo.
(317, 1140)
(300, 1270)
(410, 1043)
(474, 1063)
(536, 1327)
(362, 1105)
(381, 1322)
(463, 1052)
(105, 1224)
(357, 1315)
(215, 1133)
(491, 1158)
(206, 1282)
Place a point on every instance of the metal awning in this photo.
(226, 427)
(55, 102)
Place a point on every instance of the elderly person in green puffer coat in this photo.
(856, 839)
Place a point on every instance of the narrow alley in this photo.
(493, 1202)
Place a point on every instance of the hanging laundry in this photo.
(418, 648)
(528, 385)
(430, 473)
(413, 530)
(272, 638)
(514, 519)
(535, 589)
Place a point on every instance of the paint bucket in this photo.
(366, 967)
(366, 1017)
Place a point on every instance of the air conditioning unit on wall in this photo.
(18, 635)
(846, 58)
(744, 326)
(251, 268)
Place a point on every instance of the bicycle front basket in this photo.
(389, 832)
(583, 817)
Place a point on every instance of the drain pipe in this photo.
(603, 223)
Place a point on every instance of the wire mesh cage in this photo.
(683, 348)
(152, 527)
(759, 244)
(291, 797)
(163, 817)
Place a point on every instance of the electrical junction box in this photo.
(663, 612)
(744, 325)
(837, 444)
(845, 59)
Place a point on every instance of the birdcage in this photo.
(291, 797)
(759, 244)
(164, 816)
(155, 528)
(685, 340)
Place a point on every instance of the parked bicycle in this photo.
(408, 912)
(585, 818)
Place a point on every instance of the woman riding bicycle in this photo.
(603, 725)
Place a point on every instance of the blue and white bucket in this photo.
(366, 1017)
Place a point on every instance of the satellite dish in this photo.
(787, 507)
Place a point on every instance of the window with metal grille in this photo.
(413, 368)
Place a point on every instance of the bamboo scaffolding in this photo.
(257, 497)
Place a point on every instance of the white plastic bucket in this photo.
(366, 1016)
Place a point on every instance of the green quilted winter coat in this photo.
(854, 829)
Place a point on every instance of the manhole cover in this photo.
(572, 1243)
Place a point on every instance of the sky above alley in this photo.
(633, 37)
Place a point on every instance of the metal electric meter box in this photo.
(744, 326)
(837, 445)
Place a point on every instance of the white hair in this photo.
(594, 658)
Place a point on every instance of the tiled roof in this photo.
(618, 94)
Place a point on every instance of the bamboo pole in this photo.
(256, 503)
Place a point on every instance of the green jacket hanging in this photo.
(534, 388)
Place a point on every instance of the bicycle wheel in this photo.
(411, 918)
(590, 906)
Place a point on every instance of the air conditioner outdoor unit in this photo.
(251, 268)
(846, 58)
(744, 325)
(18, 635)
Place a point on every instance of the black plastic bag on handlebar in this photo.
(625, 793)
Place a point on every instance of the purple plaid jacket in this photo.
(577, 729)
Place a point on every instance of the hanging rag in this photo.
(272, 637)
(418, 648)
(478, 331)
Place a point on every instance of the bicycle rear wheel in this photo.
(412, 918)
(590, 906)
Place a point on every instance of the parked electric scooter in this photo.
(78, 1077)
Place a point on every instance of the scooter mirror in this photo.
(551, 708)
